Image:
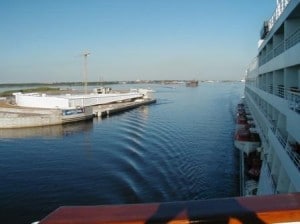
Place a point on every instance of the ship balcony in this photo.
(280, 48)
(292, 151)
(291, 94)
(282, 208)
(280, 91)
(279, 133)
(293, 39)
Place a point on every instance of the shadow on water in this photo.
(212, 211)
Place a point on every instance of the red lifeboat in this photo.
(246, 135)
(241, 119)
(243, 135)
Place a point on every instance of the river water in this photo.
(180, 148)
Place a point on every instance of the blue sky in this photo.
(41, 40)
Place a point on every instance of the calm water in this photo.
(177, 149)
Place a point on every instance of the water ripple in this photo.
(177, 149)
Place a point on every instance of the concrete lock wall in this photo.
(29, 121)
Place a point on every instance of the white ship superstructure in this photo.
(272, 94)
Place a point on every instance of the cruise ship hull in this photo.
(272, 96)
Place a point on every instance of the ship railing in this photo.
(289, 42)
(269, 175)
(269, 56)
(261, 130)
(270, 88)
(295, 156)
(242, 176)
(277, 13)
(272, 123)
(280, 208)
(253, 65)
(291, 94)
(279, 49)
(293, 39)
(263, 60)
(281, 138)
(280, 91)
(273, 126)
(266, 58)
(293, 98)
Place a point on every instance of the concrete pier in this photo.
(109, 109)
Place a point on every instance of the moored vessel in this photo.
(192, 83)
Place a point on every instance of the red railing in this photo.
(259, 209)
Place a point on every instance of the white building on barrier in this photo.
(69, 101)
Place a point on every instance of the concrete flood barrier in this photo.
(36, 110)
(14, 117)
(33, 117)
(22, 117)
